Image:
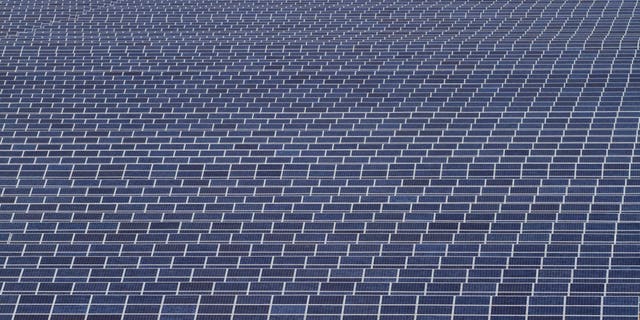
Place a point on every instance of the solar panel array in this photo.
(338, 159)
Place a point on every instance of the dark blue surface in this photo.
(319, 159)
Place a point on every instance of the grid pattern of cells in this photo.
(319, 159)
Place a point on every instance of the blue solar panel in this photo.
(351, 159)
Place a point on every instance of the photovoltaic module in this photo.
(319, 160)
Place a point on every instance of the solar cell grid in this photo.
(343, 159)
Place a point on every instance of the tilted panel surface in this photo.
(334, 159)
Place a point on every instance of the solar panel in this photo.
(340, 159)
